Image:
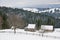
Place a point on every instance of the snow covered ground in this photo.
(8, 34)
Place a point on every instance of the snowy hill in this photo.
(35, 10)
(52, 10)
(8, 34)
(31, 9)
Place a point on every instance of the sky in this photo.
(26, 3)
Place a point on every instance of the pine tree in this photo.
(38, 25)
(50, 21)
(5, 23)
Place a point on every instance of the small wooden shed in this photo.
(30, 27)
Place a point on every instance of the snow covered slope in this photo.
(23, 35)
(11, 36)
(35, 10)
(52, 10)
(31, 9)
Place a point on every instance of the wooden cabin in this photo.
(31, 27)
(47, 28)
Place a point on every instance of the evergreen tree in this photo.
(5, 23)
(38, 24)
(0, 13)
(50, 21)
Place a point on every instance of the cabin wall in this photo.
(30, 29)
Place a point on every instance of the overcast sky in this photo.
(26, 3)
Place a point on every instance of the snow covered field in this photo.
(8, 34)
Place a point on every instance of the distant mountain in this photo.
(51, 10)
(42, 10)
(35, 10)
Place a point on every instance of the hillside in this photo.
(20, 18)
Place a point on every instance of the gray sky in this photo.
(26, 3)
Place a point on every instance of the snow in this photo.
(26, 35)
(35, 10)
(41, 31)
(49, 10)
(57, 29)
(11, 36)
(28, 9)
(31, 9)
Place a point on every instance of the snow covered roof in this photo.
(47, 27)
(31, 26)
(12, 27)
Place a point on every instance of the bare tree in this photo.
(16, 21)
(1, 22)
